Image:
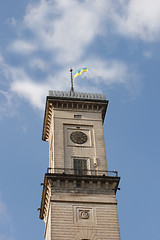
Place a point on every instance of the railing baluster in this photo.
(81, 172)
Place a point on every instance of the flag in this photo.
(79, 72)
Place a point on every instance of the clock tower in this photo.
(78, 198)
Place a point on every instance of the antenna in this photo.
(72, 89)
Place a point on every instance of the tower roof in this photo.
(77, 95)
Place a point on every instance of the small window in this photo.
(80, 166)
(78, 116)
(78, 183)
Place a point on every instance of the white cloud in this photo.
(39, 64)
(33, 92)
(147, 54)
(23, 86)
(4, 70)
(22, 47)
(109, 73)
(139, 19)
(59, 35)
(67, 27)
(100, 73)
(18, 82)
(7, 106)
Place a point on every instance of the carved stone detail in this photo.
(84, 214)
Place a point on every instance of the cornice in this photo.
(74, 104)
(67, 183)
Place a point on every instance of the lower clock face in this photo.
(78, 137)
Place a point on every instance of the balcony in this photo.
(81, 172)
(77, 182)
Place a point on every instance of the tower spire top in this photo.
(72, 89)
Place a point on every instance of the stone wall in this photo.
(84, 217)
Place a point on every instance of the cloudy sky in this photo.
(119, 42)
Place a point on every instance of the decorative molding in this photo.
(85, 233)
(47, 121)
(84, 214)
(45, 201)
(81, 102)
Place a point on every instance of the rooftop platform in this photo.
(77, 95)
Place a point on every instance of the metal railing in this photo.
(80, 172)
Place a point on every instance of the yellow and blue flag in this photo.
(79, 72)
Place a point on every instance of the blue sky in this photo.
(119, 42)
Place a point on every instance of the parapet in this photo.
(77, 95)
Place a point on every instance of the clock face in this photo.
(78, 137)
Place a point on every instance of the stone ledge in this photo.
(82, 183)
(84, 198)
(77, 185)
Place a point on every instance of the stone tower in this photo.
(78, 198)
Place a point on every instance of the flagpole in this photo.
(72, 89)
